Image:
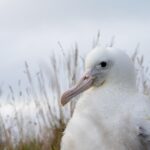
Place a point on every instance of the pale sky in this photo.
(30, 29)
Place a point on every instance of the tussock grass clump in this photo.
(36, 119)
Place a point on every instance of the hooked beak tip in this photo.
(85, 83)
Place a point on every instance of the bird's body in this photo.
(112, 116)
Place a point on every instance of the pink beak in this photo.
(85, 83)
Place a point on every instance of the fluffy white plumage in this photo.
(111, 114)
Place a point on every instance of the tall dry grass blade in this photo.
(97, 40)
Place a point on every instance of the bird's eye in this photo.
(103, 64)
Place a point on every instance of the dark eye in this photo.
(103, 64)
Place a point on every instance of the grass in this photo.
(40, 98)
(45, 129)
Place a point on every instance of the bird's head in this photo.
(103, 66)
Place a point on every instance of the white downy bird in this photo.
(111, 114)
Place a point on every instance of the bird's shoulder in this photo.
(141, 102)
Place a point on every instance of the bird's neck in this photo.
(106, 96)
(120, 86)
